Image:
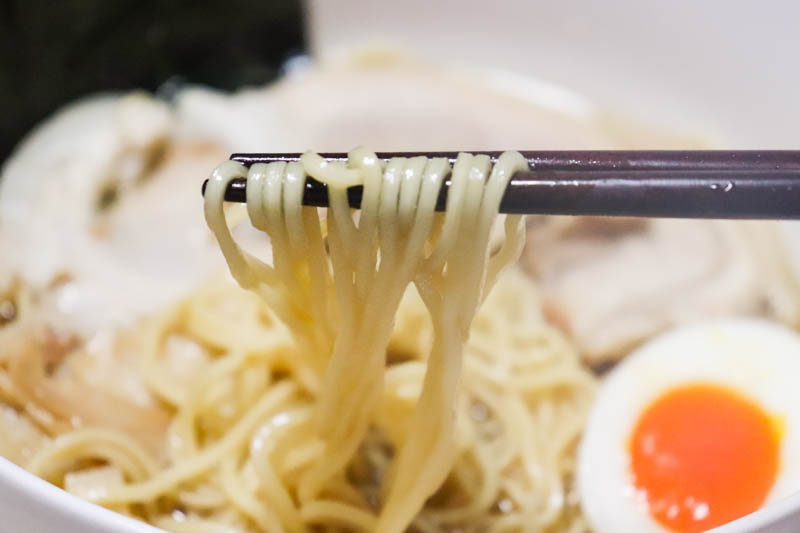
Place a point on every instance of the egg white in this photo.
(759, 359)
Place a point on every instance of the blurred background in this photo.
(685, 65)
(54, 52)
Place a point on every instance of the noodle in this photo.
(372, 264)
(292, 418)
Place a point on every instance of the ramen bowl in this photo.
(682, 67)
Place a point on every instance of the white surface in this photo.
(728, 65)
(31, 505)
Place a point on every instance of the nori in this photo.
(52, 52)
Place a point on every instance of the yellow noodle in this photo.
(474, 429)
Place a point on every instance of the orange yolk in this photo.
(703, 455)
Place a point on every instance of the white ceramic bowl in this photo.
(728, 67)
(31, 505)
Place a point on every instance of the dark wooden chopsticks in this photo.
(747, 184)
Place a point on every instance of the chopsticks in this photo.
(746, 184)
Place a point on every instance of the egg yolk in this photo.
(703, 455)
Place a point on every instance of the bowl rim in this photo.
(780, 516)
(31, 494)
(62, 505)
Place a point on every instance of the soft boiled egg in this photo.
(696, 428)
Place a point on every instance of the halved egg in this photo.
(698, 427)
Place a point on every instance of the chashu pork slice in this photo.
(612, 283)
